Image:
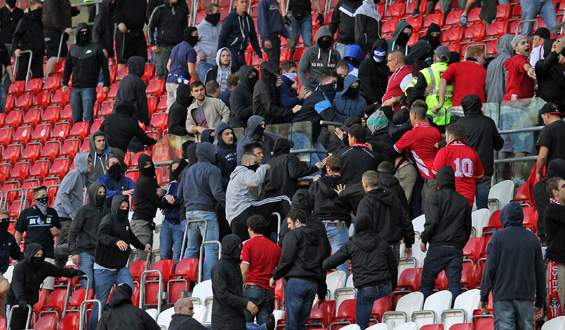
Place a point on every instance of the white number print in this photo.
(463, 168)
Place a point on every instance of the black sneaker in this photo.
(416, 13)
(270, 324)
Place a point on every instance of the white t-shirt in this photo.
(536, 55)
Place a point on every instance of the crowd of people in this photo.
(408, 137)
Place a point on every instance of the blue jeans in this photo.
(338, 237)
(513, 315)
(195, 232)
(171, 240)
(2, 98)
(515, 117)
(365, 299)
(202, 68)
(302, 141)
(441, 258)
(341, 48)
(481, 196)
(105, 280)
(300, 27)
(86, 263)
(531, 8)
(82, 102)
(264, 299)
(299, 297)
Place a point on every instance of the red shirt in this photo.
(517, 81)
(421, 142)
(468, 77)
(465, 163)
(262, 256)
(393, 88)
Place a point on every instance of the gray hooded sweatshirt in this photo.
(69, 196)
(314, 60)
(243, 189)
(495, 86)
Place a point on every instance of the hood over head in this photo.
(141, 161)
(556, 168)
(219, 55)
(282, 146)
(434, 41)
(184, 97)
(220, 127)
(93, 146)
(231, 247)
(252, 124)
(301, 200)
(174, 175)
(268, 71)
(93, 192)
(324, 32)
(125, 108)
(206, 135)
(399, 28)
(121, 295)
(348, 81)
(352, 120)
(365, 236)
(136, 65)
(387, 179)
(380, 43)
(244, 73)
(547, 47)
(31, 249)
(472, 105)
(512, 215)
(354, 55)
(454, 57)
(206, 152)
(419, 51)
(445, 178)
(363, 223)
(504, 46)
(81, 162)
(377, 121)
(88, 38)
(116, 202)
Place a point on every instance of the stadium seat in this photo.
(67, 113)
(122, 73)
(530, 218)
(47, 322)
(70, 322)
(106, 109)
(160, 121)
(14, 118)
(39, 169)
(52, 114)
(137, 268)
(452, 35)
(156, 87)
(165, 317)
(86, 144)
(201, 292)
(452, 19)
(474, 248)
(5, 169)
(59, 68)
(404, 308)
(59, 98)
(475, 32)
(51, 150)
(501, 194)
(12, 153)
(463, 308)
(162, 105)
(410, 280)
(6, 135)
(10, 101)
(23, 134)
(32, 117)
(136, 157)
(298, 53)
(396, 10)
(434, 18)
(480, 220)
(148, 72)
(483, 322)
(335, 280)
(322, 314)
(380, 326)
(418, 224)
(554, 324)
(133, 175)
(186, 271)
(34, 85)
(24, 102)
(381, 306)
(32, 151)
(497, 29)
(60, 167)
(502, 12)
(347, 292)
(80, 129)
(17, 88)
(70, 147)
(470, 275)
(433, 307)
(165, 267)
(389, 26)
(494, 223)
(415, 22)
(345, 314)
(52, 83)
(113, 92)
(523, 194)
(474, 16)
(61, 130)
(96, 125)
(2, 118)
(20, 171)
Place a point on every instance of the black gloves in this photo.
(23, 305)
(78, 273)
(286, 20)
(320, 19)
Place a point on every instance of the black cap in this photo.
(543, 32)
(551, 108)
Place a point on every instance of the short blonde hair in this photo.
(210, 8)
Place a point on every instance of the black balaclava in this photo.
(115, 171)
(83, 37)
(100, 199)
(402, 38)
(253, 167)
(434, 41)
(340, 83)
(268, 72)
(352, 92)
(258, 133)
(174, 175)
(37, 261)
(188, 37)
(4, 224)
(213, 18)
(11, 3)
(329, 90)
(150, 171)
(37, 14)
(325, 43)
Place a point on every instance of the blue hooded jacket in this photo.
(227, 155)
(346, 106)
(354, 51)
(286, 98)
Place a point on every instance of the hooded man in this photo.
(400, 38)
(182, 64)
(99, 151)
(147, 200)
(222, 70)
(266, 95)
(556, 168)
(256, 133)
(115, 182)
(373, 265)
(26, 282)
(177, 111)
(67, 202)
(374, 72)
(172, 232)
(549, 72)
(227, 151)
(132, 90)
(433, 37)
(367, 25)
(379, 123)
(354, 56)
(349, 102)
(84, 230)
(201, 189)
(447, 230)
(514, 250)
(120, 313)
(388, 182)
(120, 128)
(112, 253)
(241, 98)
(317, 58)
(271, 27)
(84, 61)
(28, 36)
(9, 250)
(343, 22)
(496, 71)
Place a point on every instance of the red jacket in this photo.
(393, 88)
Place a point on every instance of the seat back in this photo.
(438, 302)
(351, 327)
(557, 323)
(480, 220)
(70, 322)
(500, 194)
(335, 280)
(137, 268)
(203, 290)
(323, 312)
(410, 303)
(407, 326)
(188, 269)
(46, 322)
(165, 316)
(468, 301)
(418, 224)
(410, 279)
(165, 266)
(379, 326)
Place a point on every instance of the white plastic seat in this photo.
(433, 307)
(418, 224)
(152, 312)
(557, 323)
(463, 308)
(407, 326)
(379, 326)
(335, 280)
(279, 314)
(200, 313)
(208, 311)
(351, 327)
(8, 274)
(500, 194)
(348, 292)
(165, 317)
(480, 220)
(201, 292)
(404, 308)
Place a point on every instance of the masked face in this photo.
(100, 199)
(253, 167)
(37, 261)
(325, 43)
(291, 76)
(379, 55)
(237, 252)
(340, 82)
(353, 91)
(403, 37)
(83, 37)
(4, 224)
(115, 171)
(258, 132)
(11, 3)
(37, 13)
(213, 18)
(329, 90)
(149, 170)
(123, 214)
(253, 78)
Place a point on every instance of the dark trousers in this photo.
(441, 258)
(62, 243)
(238, 60)
(265, 208)
(36, 67)
(416, 201)
(273, 54)
(19, 318)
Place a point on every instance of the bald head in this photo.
(184, 306)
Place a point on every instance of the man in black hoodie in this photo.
(178, 111)
(28, 36)
(447, 230)
(514, 272)
(390, 218)
(358, 158)
(541, 198)
(132, 90)
(482, 135)
(373, 264)
(388, 182)
(266, 95)
(120, 313)
(84, 229)
(301, 265)
(129, 16)
(241, 98)
(256, 133)
(227, 151)
(147, 200)
(9, 250)
(112, 253)
(26, 281)
(373, 72)
(343, 22)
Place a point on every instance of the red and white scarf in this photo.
(555, 308)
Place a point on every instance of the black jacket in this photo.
(374, 75)
(549, 75)
(448, 218)
(170, 20)
(27, 279)
(227, 287)
(372, 260)
(302, 255)
(266, 95)
(132, 89)
(482, 134)
(85, 62)
(241, 98)
(104, 27)
(152, 4)
(343, 22)
(335, 144)
(58, 15)
(29, 35)
(554, 225)
(179, 110)
(316, 107)
(391, 219)
(184, 322)
(555, 168)
(8, 22)
(517, 251)
(382, 142)
(121, 314)
(389, 183)
(236, 30)
(327, 204)
(112, 230)
(9, 249)
(120, 127)
(356, 161)
(131, 13)
(286, 169)
(227, 155)
(84, 228)
(146, 201)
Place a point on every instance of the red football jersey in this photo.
(262, 256)
(421, 141)
(465, 163)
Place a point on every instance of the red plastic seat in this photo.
(60, 98)
(415, 22)
(133, 175)
(60, 167)
(470, 276)
(52, 114)
(106, 109)
(345, 313)
(56, 300)
(474, 16)
(12, 153)
(14, 118)
(70, 322)
(475, 32)
(452, 18)
(52, 83)
(165, 266)
(27, 187)
(380, 307)
(17, 88)
(494, 222)
(135, 159)
(137, 268)
(462, 326)
(59, 67)
(78, 297)
(483, 323)
(6, 135)
(33, 117)
(122, 73)
(434, 18)
(389, 26)
(61, 131)
(34, 85)
(2, 118)
(80, 129)
(530, 218)
(148, 72)
(497, 29)
(156, 87)
(47, 322)
(185, 272)
(10, 101)
(32, 151)
(42, 132)
(67, 113)
(522, 194)
(23, 134)
(70, 147)
(96, 125)
(113, 91)
(24, 101)
(432, 327)
(452, 35)
(298, 53)
(39, 169)
(160, 121)
(86, 143)
(162, 105)
(323, 313)
(396, 10)
(20, 171)
(410, 279)
(5, 169)
(474, 248)
(503, 12)
(9, 193)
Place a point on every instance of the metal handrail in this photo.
(28, 65)
(29, 314)
(526, 21)
(200, 256)
(82, 321)
(278, 215)
(142, 288)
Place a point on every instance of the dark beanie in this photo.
(188, 32)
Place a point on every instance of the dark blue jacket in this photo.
(115, 187)
(227, 155)
(173, 210)
(347, 106)
(9, 249)
(317, 107)
(225, 97)
(269, 20)
(287, 99)
(236, 30)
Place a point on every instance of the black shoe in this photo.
(270, 324)
(416, 13)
